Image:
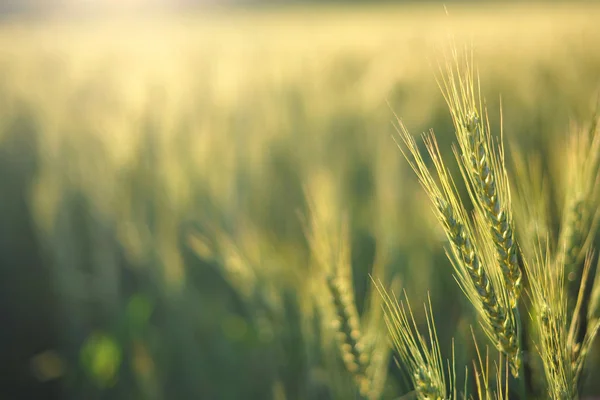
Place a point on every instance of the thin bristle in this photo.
(423, 359)
(481, 369)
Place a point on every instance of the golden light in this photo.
(114, 4)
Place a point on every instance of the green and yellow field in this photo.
(153, 174)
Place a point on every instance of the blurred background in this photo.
(154, 160)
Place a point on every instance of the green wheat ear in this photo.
(482, 163)
(422, 358)
(473, 261)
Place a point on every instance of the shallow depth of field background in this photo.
(153, 169)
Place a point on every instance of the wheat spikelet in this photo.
(424, 384)
(347, 323)
(486, 291)
(482, 164)
(348, 333)
(502, 325)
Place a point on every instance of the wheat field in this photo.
(182, 194)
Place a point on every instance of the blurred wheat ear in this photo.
(574, 256)
(363, 349)
(532, 203)
(581, 191)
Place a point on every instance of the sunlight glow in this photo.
(115, 4)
